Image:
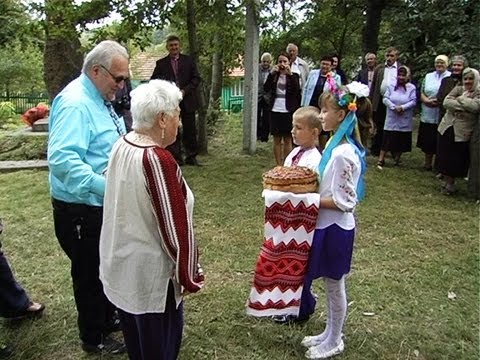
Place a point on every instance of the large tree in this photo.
(371, 29)
(66, 19)
(63, 55)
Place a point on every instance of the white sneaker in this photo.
(315, 352)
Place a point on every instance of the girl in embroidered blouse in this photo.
(305, 130)
(341, 172)
(400, 100)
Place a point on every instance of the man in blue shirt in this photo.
(83, 129)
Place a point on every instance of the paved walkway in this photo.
(22, 165)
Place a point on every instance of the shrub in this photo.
(8, 116)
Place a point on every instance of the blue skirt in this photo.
(330, 256)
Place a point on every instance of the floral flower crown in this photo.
(347, 95)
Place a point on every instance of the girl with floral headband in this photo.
(341, 170)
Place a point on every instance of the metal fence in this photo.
(23, 102)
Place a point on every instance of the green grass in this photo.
(414, 245)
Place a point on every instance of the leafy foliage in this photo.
(8, 116)
(21, 68)
(423, 29)
(328, 27)
(12, 20)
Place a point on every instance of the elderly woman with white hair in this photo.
(148, 253)
(427, 131)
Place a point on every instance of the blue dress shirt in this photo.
(81, 136)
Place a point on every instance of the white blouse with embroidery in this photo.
(339, 182)
(135, 267)
(310, 158)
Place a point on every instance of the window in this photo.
(237, 87)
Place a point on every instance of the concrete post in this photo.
(250, 89)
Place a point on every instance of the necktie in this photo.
(115, 118)
(297, 157)
(175, 69)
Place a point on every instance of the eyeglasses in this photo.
(117, 79)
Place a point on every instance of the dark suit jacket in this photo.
(378, 75)
(188, 79)
(363, 76)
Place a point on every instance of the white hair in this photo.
(291, 46)
(266, 57)
(151, 99)
(103, 54)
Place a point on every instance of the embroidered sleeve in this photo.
(343, 187)
(166, 188)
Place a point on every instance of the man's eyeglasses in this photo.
(117, 79)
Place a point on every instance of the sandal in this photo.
(34, 310)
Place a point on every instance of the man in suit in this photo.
(297, 64)
(383, 76)
(365, 76)
(182, 70)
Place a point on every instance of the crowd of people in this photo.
(122, 210)
(451, 135)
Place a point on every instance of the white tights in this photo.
(336, 313)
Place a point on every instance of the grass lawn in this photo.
(414, 246)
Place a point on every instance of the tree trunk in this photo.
(284, 15)
(217, 76)
(62, 54)
(372, 25)
(193, 45)
(216, 84)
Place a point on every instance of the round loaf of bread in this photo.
(296, 179)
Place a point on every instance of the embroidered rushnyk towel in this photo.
(281, 266)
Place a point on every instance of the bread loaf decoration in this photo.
(295, 179)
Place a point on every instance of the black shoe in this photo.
(5, 351)
(192, 161)
(109, 346)
(290, 319)
(114, 325)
